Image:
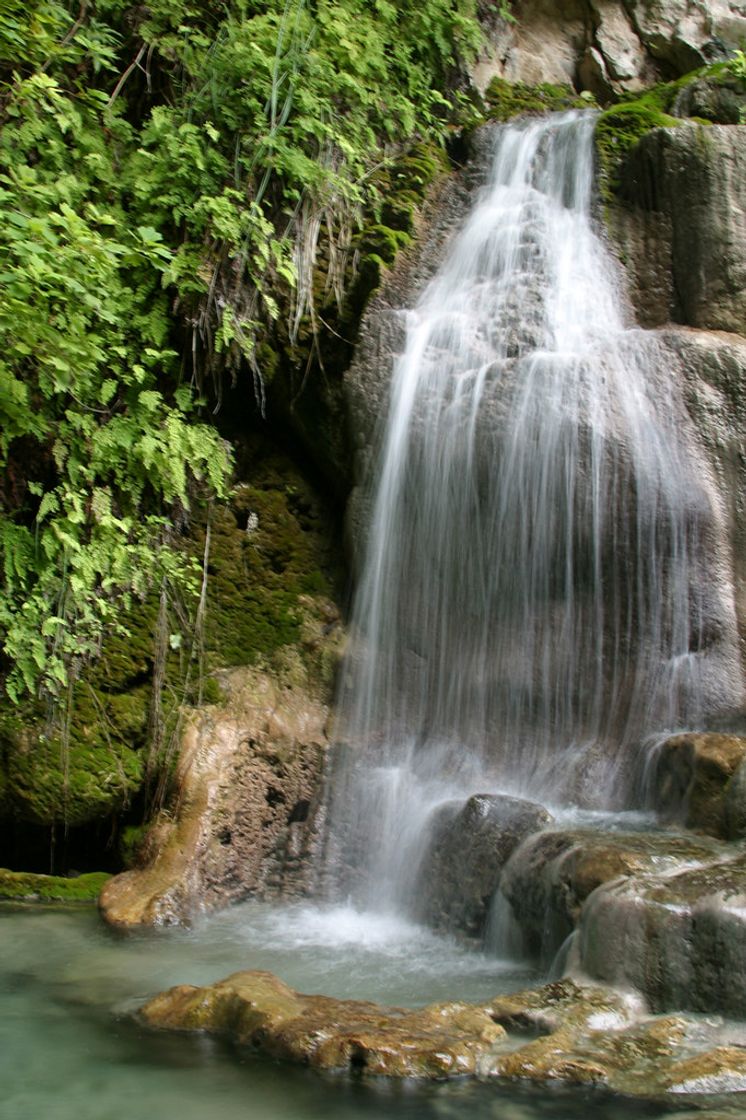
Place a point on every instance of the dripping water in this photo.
(529, 604)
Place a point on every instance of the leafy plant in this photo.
(182, 184)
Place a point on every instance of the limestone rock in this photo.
(712, 369)
(693, 778)
(560, 1032)
(256, 1009)
(609, 46)
(679, 939)
(695, 176)
(680, 35)
(551, 875)
(246, 818)
(469, 845)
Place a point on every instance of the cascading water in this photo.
(529, 604)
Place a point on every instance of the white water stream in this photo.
(529, 607)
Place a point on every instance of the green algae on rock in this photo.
(22, 885)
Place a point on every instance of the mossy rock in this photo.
(272, 566)
(273, 573)
(709, 95)
(45, 783)
(21, 885)
(619, 129)
(506, 100)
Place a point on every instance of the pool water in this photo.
(71, 1050)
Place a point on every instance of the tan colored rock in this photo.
(693, 776)
(550, 876)
(245, 819)
(722, 1070)
(585, 1035)
(679, 939)
(257, 1009)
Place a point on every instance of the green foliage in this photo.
(179, 183)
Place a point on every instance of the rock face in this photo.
(549, 878)
(585, 1036)
(694, 782)
(610, 46)
(469, 845)
(684, 190)
(247, 816)
(711, 367)
(679, 939)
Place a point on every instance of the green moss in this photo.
(51, 888)
(402, 187)
(44, 784)
(269, 549)
(212, 693)
(131, 842)
(623, 125)
(506, 100)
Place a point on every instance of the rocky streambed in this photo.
(651, 923)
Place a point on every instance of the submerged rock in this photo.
(560, 1032)
(551, 875)
(694, 782)
(246, 817)
(469, 846)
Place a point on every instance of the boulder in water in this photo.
(469, 846)
(679, 939)
(560, 1032)
(258, 1010)
(696, 782)
(551, 875)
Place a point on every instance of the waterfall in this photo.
(530, 601)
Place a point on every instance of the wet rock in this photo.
(695, 178)
(693, 780)
(551, 875)
(711, 366)
(722, 1070)
(720, 99)
(246, 819)
(735, 805)
(679, 939)
(256, 1009)
(561, 1032)
(469, 846)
